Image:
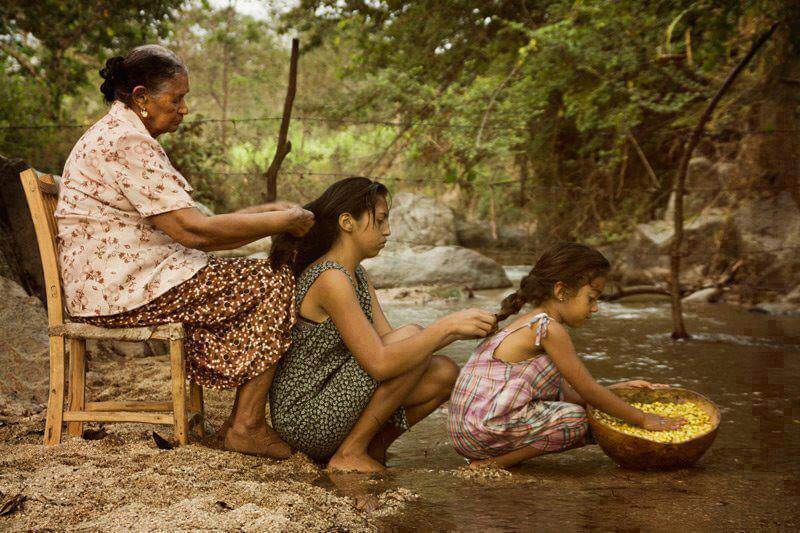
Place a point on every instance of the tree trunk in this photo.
(524, 176)
(679, 329)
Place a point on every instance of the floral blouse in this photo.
(112, 258)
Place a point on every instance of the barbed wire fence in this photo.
(301, 173)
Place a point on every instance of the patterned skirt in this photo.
(238, 315)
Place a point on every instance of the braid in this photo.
(511, 305)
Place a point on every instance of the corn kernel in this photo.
(697, 421)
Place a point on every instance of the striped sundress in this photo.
(498, 407)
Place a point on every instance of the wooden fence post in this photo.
(284, 146)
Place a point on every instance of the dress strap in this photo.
(307, 279)
(541, 328)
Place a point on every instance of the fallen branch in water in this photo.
(726, 279)
(635, 290)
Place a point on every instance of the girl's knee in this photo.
(444, 371)
(412, 329)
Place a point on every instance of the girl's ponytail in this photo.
(510, 305)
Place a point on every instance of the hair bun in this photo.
(113, 73)
(113, 69)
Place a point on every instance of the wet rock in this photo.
(776, 308)
(402, 265)
(794, 296)
(420, 219)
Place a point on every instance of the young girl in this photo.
(523, 391)
(350, 383)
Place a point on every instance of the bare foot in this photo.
(484, 463)
(377, 451)
(260, 440)
(354, 463)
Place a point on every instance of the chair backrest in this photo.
(41, 191)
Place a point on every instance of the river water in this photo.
(749, 364)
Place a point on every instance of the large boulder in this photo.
(645, 259)
(420, 219)
(478, 234)
(403, 265)
(769, 229)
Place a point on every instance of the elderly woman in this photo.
(132, 247)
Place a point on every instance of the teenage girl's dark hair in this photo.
(354, 195)
(149, 65)
(570, 263)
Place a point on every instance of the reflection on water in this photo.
(748, 364)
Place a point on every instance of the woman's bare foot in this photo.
(260, 440)
(357, 462)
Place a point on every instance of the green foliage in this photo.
(50, 52)
(565, 83)
(531, 109)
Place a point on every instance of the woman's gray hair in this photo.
(149, 65)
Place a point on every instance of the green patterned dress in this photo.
(320, 390)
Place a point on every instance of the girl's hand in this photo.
(656, 422)
(470, 323)
(639, 383)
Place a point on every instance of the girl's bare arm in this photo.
(571, 395)
(379, 320)
(334, 294)
(561, 351)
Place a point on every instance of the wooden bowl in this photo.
(637, 453)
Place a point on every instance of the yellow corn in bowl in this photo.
(640, 449)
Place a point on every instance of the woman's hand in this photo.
(656, 422)
(640, 383)
(300, 220)
(469, 324)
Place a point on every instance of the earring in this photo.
(144, 112)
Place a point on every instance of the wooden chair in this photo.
(41, 191)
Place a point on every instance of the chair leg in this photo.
(77, 382)
(55, 401)
(178, 390)
(196, 405)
